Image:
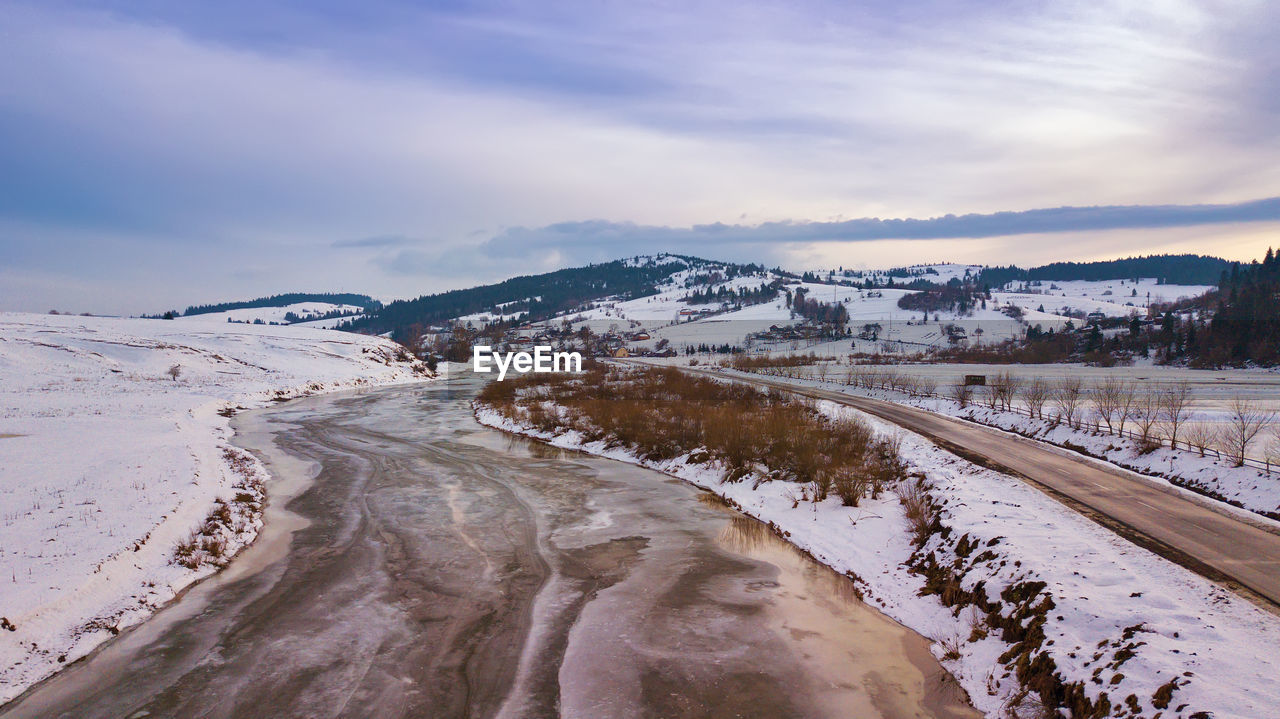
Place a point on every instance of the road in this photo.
(416, 564)
(1229, 550)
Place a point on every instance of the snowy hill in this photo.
(1117, 298)
(662, 316)
(308, 313)
(531, 297)
(690, 301)
(111, 461)
(669, 314)
(939, 273)
(693, 301)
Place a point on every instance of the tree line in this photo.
(955, 296)
(742, 295)
(1244, 323)
(1154, 416)
(289, 298)
(1186, 269)
(834, 314)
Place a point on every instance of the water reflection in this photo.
(541, 450)
(753, 538)
(844, 642)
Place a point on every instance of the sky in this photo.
(157, 154)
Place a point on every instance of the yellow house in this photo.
(621, 352)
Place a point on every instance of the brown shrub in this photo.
(663, 413)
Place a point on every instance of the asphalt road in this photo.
(416, 564)
(1232, 551)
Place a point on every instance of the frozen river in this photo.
(416, 564)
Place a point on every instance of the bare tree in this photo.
(1108, 401)
(1201, 436)
(1035, 396)
(174, 372)
(413, 340)
(904, 382)
(1067, 397)
(1273, 448)
(962, 394)
(1246, 421)
(991, 394)
(1004, 388)
(888, 379)
(851, 377)
(1175, 407)
(1128, 401)
(1146, 413)
(867, 380)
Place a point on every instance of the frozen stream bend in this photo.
(415, 563)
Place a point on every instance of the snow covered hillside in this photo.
(672, 315)
(1134, 293)
(661, 316)
(940, 272)
(696, 302)
(895, 329)
(114, 446)
(305, 311)
(1114, 298)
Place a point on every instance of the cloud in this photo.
(599, 234)
(377, 241)
(368, 147)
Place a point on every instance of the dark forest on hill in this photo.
(290, 298)
(1168, 269)
(536, 297)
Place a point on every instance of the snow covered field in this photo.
(1125, 295)
(1152, 636)
(108, 463)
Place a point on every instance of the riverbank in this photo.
(1027, 603)
(437, 567)
(120, 483)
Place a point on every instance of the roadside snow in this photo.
(109, 463)
(1212, 476)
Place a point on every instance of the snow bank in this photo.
(109, 463)
(1120, 620)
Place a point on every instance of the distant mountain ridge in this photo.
(289, 298)
(534, 298)
(539, 297)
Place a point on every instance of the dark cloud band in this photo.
(594, 233)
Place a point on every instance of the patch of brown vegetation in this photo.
(663, 413)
